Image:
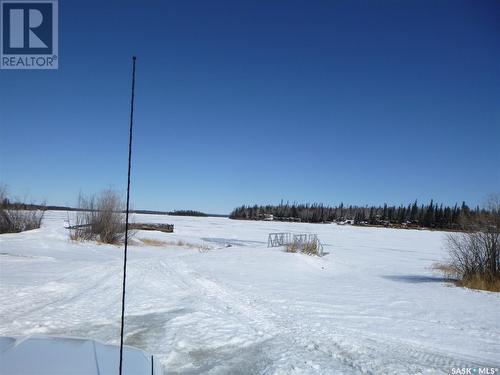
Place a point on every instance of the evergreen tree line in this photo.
(429, 215)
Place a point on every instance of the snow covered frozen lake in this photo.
(373, 304)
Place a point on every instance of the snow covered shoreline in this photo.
(373, 304)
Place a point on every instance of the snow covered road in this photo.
(372, 305)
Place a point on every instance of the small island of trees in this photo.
(414, 215)
(187, 213)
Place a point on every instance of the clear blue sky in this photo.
(238, 102)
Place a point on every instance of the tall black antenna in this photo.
(126, 216)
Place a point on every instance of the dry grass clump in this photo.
(476, 281)
(448, 271)
(178, 243)
(291, 247)
(152, 242)
(309, 248)
(480, 283)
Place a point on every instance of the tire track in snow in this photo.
(283, 348)
(301, 346)
(371, 353)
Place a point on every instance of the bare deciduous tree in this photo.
(475, 253)
(15, 219)
(101, 218)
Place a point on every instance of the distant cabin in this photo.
(344, 222)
